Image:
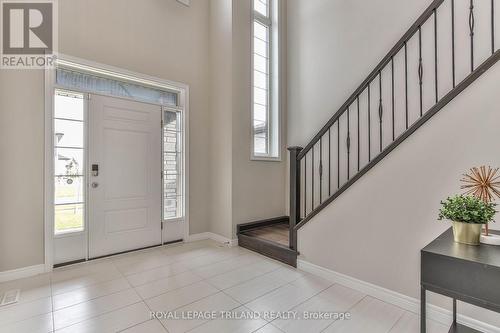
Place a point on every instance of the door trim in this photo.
(49, 86)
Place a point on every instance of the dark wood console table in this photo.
(466, 273)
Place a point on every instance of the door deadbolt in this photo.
(95, 170)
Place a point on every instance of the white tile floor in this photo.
(117, 294)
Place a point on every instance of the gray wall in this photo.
(258, 186)
(221, 57)
(374, 231)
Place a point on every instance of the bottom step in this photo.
(269, 238)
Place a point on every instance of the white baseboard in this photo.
(20, 273)
(408, 303)
(213, 236)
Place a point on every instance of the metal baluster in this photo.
(380, 107)
(471, 28)
(329, 160)
(312, 178)
(369, 126)
(348, 142)
(436, 55)
(492, 26)
(392, 92)
(357, 99)
(305, 185)
(406, 83)
(338, 153)
(320, 169)
(420, 69)
(453, 41)
(295, 195)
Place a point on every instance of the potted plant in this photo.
(468, 214)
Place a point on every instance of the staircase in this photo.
(412, 83)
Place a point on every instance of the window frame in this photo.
(182, 167)
(271, 21)
(64, 91)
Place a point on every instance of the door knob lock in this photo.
(95, 170)
(95, 185)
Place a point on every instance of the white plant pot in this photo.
(491, 239)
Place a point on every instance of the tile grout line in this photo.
(396, 322)
(168, 291)
(239, 283)
(180, 261)
(291, 284)
(209, 320)
(268, 292)
(52, 302)
(97, 316)
(30, 316)
(349, 309)
(142, 322)
(94, 298)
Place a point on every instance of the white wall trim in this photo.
(20, 273)
(408, 303)
(213, 236)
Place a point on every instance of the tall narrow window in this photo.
(69, 162)
(173, 187)
(265, 104)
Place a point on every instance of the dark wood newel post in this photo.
(294, 194)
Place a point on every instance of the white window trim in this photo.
(50, 86)
(274, 108)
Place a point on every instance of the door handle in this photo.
(95, 185)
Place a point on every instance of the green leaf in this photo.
(468, 209)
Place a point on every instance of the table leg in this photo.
(422, 310)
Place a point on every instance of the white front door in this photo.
(125, 175)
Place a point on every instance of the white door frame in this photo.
(50, 85)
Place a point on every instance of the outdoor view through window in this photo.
(69, 163)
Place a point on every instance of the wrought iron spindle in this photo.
(305, 185)
(471, 29)
(369, 126)
(453, 41)
(320, 170)
(312, 178)
(329, 160)
(436, 56)
(348, 143)
(338, 153)
(380, 107)
(492, 26)
(357, 99)
(406, 85)
(392, 102)
(420, 70)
